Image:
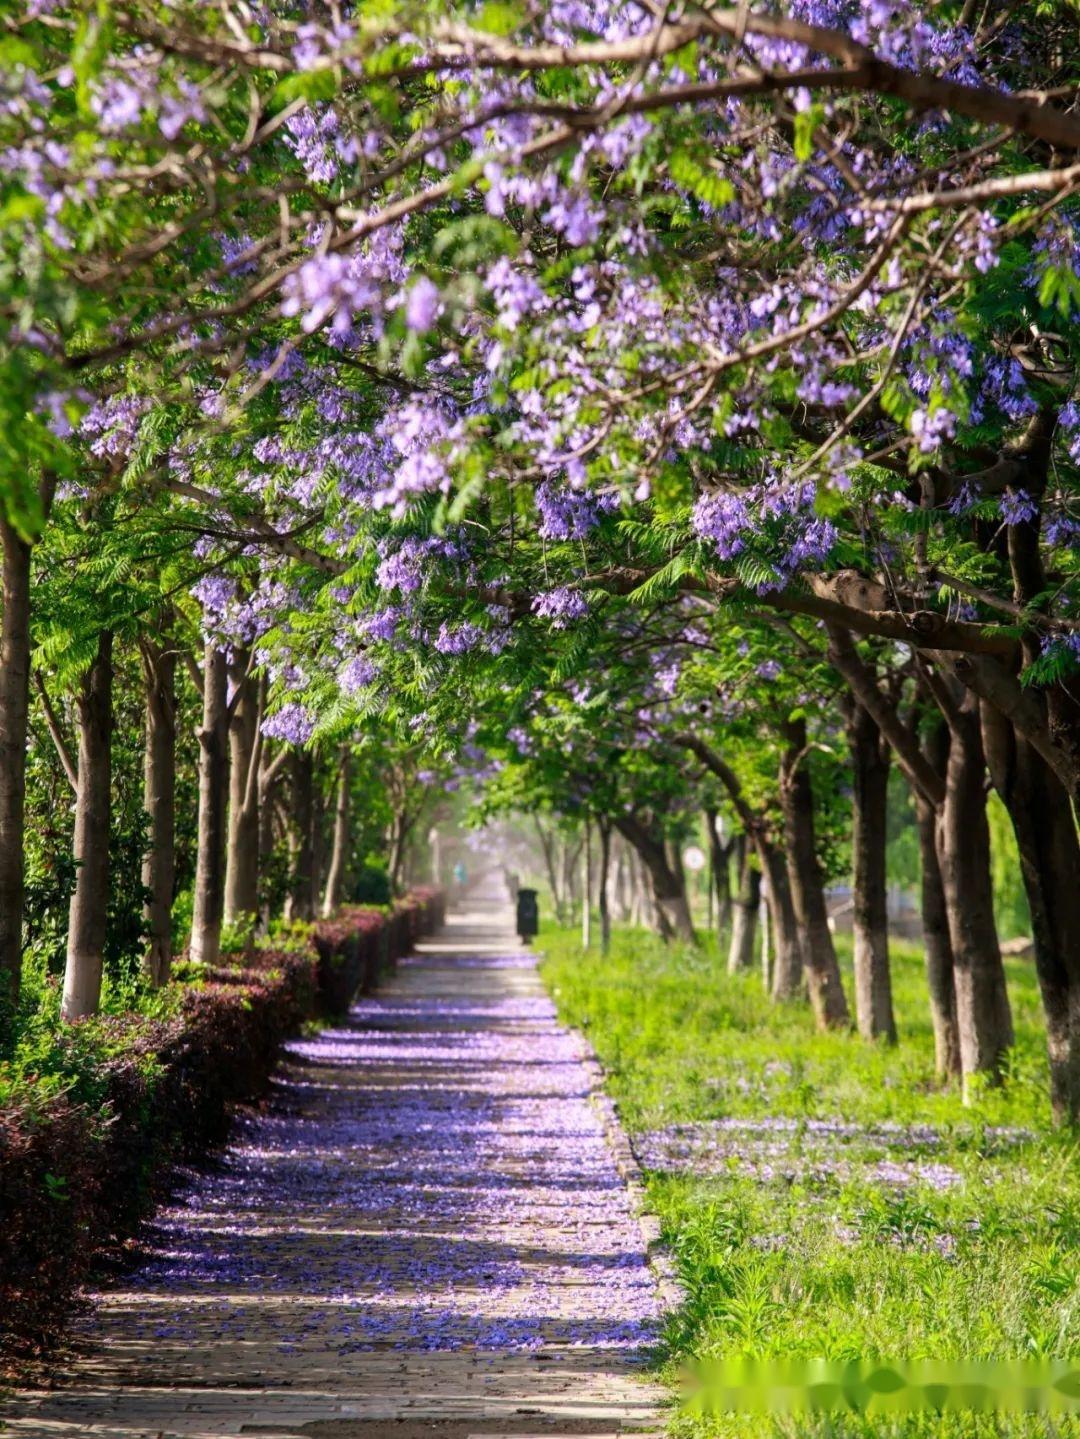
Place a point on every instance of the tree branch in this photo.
(58, 738)
(993, 683)
(863, 684)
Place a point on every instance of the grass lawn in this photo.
(822, 1196)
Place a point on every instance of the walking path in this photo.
(424, 1232)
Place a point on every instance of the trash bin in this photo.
(528, 914)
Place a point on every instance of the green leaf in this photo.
(310, 85)
(690, 174)
(1059, 289)
(499, 17)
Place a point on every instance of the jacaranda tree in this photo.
(467, 323)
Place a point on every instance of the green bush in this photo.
(370, 885)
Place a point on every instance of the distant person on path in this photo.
(459, 876)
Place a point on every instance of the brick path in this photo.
(424, 1232)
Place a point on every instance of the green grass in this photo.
(802, 1243)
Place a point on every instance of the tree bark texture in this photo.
(666, 884)
(807, 887)
(870, 790)
(301, 898)
(745, 904)
(342, 842)
(88, 914)
(209, 906)
(159, 801)
(242, 844)
(604, 825)
(787, 963)
(1046, 838)
(940, 979)
(14, 713)
(983, 1016)
(720, 853)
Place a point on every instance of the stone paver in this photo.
(425, 1224)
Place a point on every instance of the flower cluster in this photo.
(561, 606)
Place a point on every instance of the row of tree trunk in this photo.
(239, 814)
(951, 747)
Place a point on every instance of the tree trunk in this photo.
(807, 887)
(639, 906)
(746, 903)
(301, 898)
(269, 771)
(924, 767)
(342, 842)
(618, 881)
(766, 944)
(159, 801)
(605, 867)
(870, 792)
(937, 946)
(667, 885)
(963, 845)
(318, 841)
(209, 903)
(787, 967)
(14, 711)
(1042, 815)
(396, 849)
(586, 906)
(1046, 838)
(242, 845)
(88, 914)
(570, 886)
(547, 847)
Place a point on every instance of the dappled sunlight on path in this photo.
(427, 1220)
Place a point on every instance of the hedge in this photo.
(76, 1177)
(363, 941)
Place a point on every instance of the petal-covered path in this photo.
(426, 1224)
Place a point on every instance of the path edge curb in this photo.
(657, 1254)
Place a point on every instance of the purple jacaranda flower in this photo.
(458, 639)
(114, 424)
(422, 305)
(561, 606)
(515, 292)
(1069, 424)
(725, 519)
(358, 673)
(1017, 507)
(932, 427)
(293, 722)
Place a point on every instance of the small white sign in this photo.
(693, 858)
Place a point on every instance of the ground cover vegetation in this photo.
(637, 414)
(818, 1202)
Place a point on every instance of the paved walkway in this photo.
(424, 1232)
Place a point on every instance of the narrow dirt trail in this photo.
(424, 1232)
